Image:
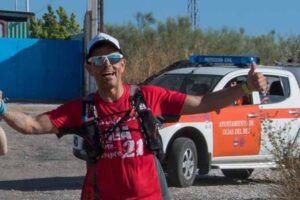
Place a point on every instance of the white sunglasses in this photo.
(112, 58)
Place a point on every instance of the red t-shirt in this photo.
(126, 169)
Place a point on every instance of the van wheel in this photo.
(182, 163)
(237, 173)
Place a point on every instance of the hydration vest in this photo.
(87, 144)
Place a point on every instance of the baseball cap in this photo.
(105, 38)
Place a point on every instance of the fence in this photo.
(41, 70)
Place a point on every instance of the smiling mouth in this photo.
(109, 74)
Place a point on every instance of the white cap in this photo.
(100, 37)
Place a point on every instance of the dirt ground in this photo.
(44, 168)
(39, 167)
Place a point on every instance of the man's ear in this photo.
(124, 61)
(89, 68)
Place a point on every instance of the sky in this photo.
(255, 16)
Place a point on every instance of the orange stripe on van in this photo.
(196, 118)
(204, 117)
(286, 113)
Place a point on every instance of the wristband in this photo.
(2, 107)
(246, 89)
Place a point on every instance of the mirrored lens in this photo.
(114, 58)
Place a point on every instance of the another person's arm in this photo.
(3, 142)
(220, 99)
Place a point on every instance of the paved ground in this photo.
(43, 168)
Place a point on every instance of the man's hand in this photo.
(256, 81)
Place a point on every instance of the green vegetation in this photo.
(151, 45)
(54, 26)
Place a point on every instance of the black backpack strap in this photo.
(134, 89)
(137, 99)
(147, 121)
(88, 107)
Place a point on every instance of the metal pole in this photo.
(16, 5)
(94, 17)
(27, 5)
(101, 15)
(98, 15)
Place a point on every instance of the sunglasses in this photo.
(112, 58)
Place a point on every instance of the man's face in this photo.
(108, 74)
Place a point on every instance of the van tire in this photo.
(182, 163)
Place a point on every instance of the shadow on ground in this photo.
(43, 184)
(211, 180)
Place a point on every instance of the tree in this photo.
(144, 20)
(54, 25)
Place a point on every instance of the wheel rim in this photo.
(188, 164)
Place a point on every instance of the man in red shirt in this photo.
(126, 169)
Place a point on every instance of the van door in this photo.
(236, 129)
(280, 113)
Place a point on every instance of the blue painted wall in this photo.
(41, 70)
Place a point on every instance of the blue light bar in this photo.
(236, 60)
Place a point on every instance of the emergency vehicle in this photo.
(235, 139)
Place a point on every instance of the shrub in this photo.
(287, 153)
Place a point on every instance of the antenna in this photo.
(193, 9)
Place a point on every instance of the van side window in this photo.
(278, 90)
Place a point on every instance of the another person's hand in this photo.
(2, 104)
(256, 81)
(3, 142)
(0, 97)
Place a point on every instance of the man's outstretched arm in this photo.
(220, 99)
(24, 123)
(27, 124)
